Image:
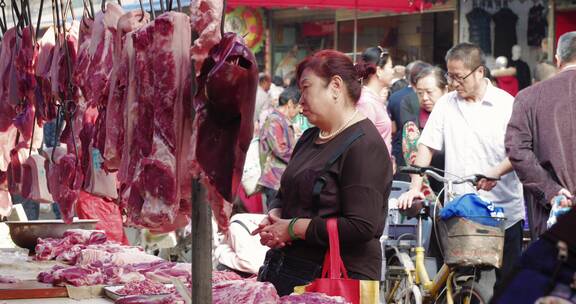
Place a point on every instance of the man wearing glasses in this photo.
(469, 123)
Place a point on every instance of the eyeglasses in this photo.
(460, 80)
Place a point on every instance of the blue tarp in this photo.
(472, 207)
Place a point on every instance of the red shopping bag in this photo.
(335, 281)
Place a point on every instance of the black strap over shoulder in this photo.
(241, 224)
(320, 182)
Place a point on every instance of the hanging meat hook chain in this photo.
(56, 16)
(39, 19)
(4, 21)
(27, 14)
(223, 21)
(56, 31)
(142, 10)
(56, 131)
(70, 112)
(152, 10)
(67, 6)
(89, 9)
(17, 20)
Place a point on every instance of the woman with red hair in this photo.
(339, 169)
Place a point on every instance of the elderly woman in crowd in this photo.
(430, 86)
(339, 169)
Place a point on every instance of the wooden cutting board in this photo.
(31, 290)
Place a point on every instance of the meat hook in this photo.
(103, 6)
(162, 6)
(152, 10)
(223, 21)
(70, 112)
(91, 12)
(56, 12)
(17, 20)
(142, 10)
(65, 12)
(179, 5)
(32, 138)
(4, 21)
(56, 128)
(39, 19)
(27, 13)
(86, 13)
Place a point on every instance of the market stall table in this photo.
(59, 301)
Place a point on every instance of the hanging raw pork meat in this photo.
(114, 136)
(86, 136)
(25, 120)
(7, 143)
(224, 119)
(25, 63)
(83, 61)
(5, 198)
(35, 182)
(44, 100)
(101, 53)
(64, 183)
(7, 112)
(149, 172)
(24, 67)
(205, 17)
(7, 115)
(18, 156)
(65, 176)
(96, 180)
(66, 47)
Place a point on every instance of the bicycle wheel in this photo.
(399, 289)
(469, 292)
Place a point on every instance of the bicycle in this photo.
(408, 280)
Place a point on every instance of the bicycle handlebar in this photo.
(432, 172)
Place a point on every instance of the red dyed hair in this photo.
(329, 63)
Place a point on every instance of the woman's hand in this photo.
(266, 221)
(275, 235)
(267, 236)
(405, 200)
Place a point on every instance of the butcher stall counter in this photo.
(15, 263)
(59, 301)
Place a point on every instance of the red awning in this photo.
(365, 5)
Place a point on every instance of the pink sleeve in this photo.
(367, 110)
(379, 117)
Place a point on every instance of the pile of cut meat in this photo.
(145, 287)
(121, 88)
(250, 291)
(8, 280)
(94, 260)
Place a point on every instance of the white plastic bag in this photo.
(252, 170)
